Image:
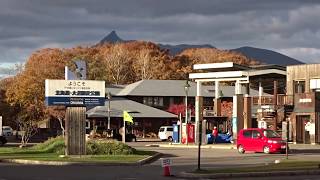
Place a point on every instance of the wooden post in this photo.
(75, 139)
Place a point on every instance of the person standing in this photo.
(215, 134)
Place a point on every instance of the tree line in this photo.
(22, 96)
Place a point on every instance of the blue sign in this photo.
(75, 101)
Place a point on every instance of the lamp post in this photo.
(109, 99)
(186, 89)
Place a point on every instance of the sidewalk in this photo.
(187, 175)
(306, 148)
(208, 146)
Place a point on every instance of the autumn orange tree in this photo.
(27, 89)
(7, 112)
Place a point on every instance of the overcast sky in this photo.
(290, 27)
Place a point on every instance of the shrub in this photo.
(93, 147)
(108, 148)
(52, 145)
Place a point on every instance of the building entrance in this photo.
(303, 136)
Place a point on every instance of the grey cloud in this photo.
(31, 24)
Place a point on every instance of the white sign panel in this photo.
(262, 124)
(314, 83)
(74, 92)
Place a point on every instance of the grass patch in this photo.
(282, 166)
(97, 151)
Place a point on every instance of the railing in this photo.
(265, 100)
(283, 99)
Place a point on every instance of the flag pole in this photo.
(124, 131)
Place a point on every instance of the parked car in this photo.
(166, 133)
(3, 140)
(7, 131)
(260, 140)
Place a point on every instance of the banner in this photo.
(127, 117)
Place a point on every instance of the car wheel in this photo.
(241, 149)
(266, 150)
(170, 138)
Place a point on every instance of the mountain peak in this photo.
(267, 56)
(112, 37)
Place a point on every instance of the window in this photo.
(169, 129)
(299, 86)
(271, 134)
(150, 101)
(153, 101)
(255, 134)
(247, 134)
(158, 101)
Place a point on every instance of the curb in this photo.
(248, 174)
(62, 163)
(149, 159)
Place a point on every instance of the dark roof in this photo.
(118, 105)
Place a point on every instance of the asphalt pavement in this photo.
(184, 159)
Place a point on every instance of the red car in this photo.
(260, 140)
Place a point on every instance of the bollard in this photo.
(166, 171)
(165, 163)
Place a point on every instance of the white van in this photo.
(166, 133)
(7, 131)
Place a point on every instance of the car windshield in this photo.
(161, 129)
(271, 134)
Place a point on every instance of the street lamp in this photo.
(109, 99)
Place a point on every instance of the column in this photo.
(275, 94)
(199, 111)
(247, 112)
(217, 103)
(260, 92)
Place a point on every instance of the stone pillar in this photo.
(238, 89)
(75, 139)
(217, 104)
(247, 88)
(247, 112)
(275, 104)
(237, 115)
(199, 111)
(260, 92)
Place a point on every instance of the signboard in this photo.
(165, 162)
(75, 92)
(314, 83)
(262, 124)
(310, 127)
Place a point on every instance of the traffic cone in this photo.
(166, 171)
